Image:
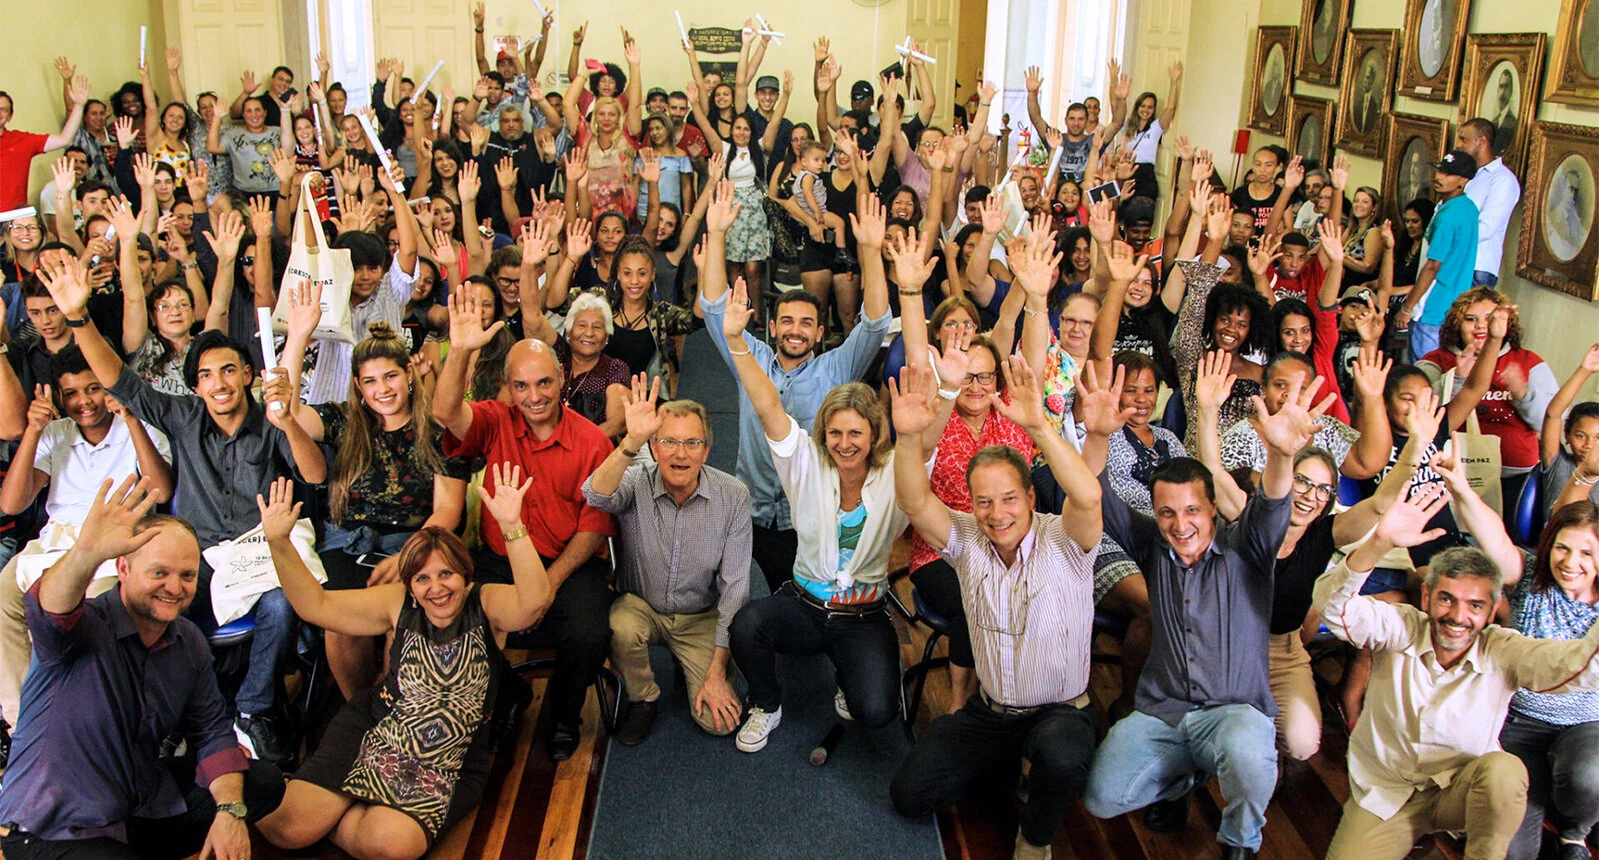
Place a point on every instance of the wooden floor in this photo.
(535, 808)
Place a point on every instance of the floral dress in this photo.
(750, 237)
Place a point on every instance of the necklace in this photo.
(632, 322)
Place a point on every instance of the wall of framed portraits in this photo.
(1388, 84)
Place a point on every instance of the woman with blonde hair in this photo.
(603, 147)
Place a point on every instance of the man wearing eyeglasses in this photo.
(683, 565)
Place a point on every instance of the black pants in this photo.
(1059, 740)
(161, 838)
(577, 625)
(940, 589)
(864, 651)
(774, 551)
(1562, 778)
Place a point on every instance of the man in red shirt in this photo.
(558, 449)
(17, 148)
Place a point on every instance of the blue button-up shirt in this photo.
(95, 707)
(802, 391)
(1212, 619)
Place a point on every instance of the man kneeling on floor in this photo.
(1027, 584)
(112, 677)
(1425, 755)
(684, 558)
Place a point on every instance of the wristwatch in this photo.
(79, 322)
(235, 809)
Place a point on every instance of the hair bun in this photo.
(382, 331)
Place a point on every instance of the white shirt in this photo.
(1422, 723)
(813, 499)
(1146, 144)
(329, 381)
(1496, 192)
(77, 468)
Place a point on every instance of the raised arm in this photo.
(769, 139)
(467, 335)
(518, 606)
(1365, 621)
(634, 117)
(1480, 379)
(77, 94)
(1293, 176)
(534, 299)
(924, 84)
(574, 72)
(1082, 517)
(1292, 428)
(1212, 384)
(478, 47)
(67, 279)
(1123, 268)
(757, 385)
(225, 242)
(914, 418)
(1554, 416)
(135, 313)
(1169, 112)
(108, 532)
(152, 105)
(1034, 81)
(352, 612)
(870, 228)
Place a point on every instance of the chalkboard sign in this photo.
(717, 40)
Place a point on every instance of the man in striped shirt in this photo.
(1027, 583)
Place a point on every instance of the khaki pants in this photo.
(635, 626)
(1485, 799)
(1294, 689)
(16, 648)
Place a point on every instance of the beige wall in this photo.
(1559, 327)
(109, 55)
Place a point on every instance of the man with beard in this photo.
(513, 141)
(225, 453)
(114, 676)
(803, 378)
(1425, 755)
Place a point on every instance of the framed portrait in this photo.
(1310, 128)
(1415, 143)
(1574, 72)
(1503, 75)
(1321, 42)
(1367, 91)
(1559, 240)
(1274, 63)
(1435, 38)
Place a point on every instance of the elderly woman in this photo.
(594, 384)
(403, 761)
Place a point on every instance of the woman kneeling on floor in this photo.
(383, 783)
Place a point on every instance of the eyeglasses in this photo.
(1321, 492)
(669, 446)
(958, 324)
(507, 283)
(987, 377)
(247, 259)
(166, 307)
(26, 228)
(392, 243)
(1068, 322)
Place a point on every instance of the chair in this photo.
(1527, 524)
(610, 702)
(1349, 492)
(939, 627)
(1112, 625)
(1175, 418)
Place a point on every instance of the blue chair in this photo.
(938, 627)
(1349, 493)
(236, 632)
(1175, 418)
(1527, 523)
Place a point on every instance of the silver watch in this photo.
(236, 809)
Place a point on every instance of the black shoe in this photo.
(563, 742)
(513, 702)
(5, 743)
(265, 738)
(1233, 852)
(636, 724)
(1165, 816)
(1574, 851)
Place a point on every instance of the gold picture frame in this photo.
(1310, 118)
(1435, 40)
(1559, 237)
(1366, 93)
(1319, 59)
(1502, 78)
(1574, 70)
(1415, 144)
(1273, 82)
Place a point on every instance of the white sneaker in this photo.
(1028, 851)
(758, 726)
(841, 705)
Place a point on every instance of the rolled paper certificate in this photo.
(425, 81)
(680, 29)
(1054, 159)
(144, 33)
(542, 12)
(766, 30)
(269, 360)
(383, 154)
(905, 51)
(317, 118)
(14, 214)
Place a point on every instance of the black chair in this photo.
(607, 685)
(916, 675)
(1112, 625)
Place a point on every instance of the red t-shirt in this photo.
(1496, 412)
(1305, 287)
(17, 149)
(693, 143)
(554, 509)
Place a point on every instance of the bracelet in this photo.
(477, 29)
(1580, 481)
(78, 323)
(732, 351)
(626, 453)
(517, 534)
(188, 266)
(1032, 313)
(984, 104)
(949, 395)
(910, 292)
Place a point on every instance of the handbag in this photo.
(311, 260)
(242, 569)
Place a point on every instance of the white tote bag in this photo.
(311, 260)
(242, 569)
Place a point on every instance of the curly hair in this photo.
(1449, 336)
(1227, 298)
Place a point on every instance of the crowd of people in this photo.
(492, 452)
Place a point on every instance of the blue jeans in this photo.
(270, 646)
(1562, 778)
(1144, 760)
(1480, 278)
(1423, 339)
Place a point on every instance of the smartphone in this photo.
(897, 71)
(1106, 191)
(594, 65)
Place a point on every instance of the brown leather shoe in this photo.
(636, 724)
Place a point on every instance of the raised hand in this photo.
(42, 410)
(579, 239)
(1371, 373)
(912, 396)
(1405, 523)
(649, 166)
(1124, 267)
(261, 217)
(1340, 171)
(1098, 406)
(443, 248)
(1294, 173)
(505, 173)
(468, 184)
(993, 211)
(1219, 218)
(1035, 268)
(1332, 242)
(1297, 422)
(108, 529)
(279, 512)
(197, 179)
(505, 503)
(870, 223)
(1026, 406)
(122, 218)
(144, 170)
(912, 264)
(1369, 323)
(1425, 417)
(1034, 79)
(305, 309)
(536, 237)
(247, 82)
(281, 395)
(79, 91)
(1265, 255)
(1499, 322)
(1102, 221)
(642, 418)
(65, 69)
(227, 237)
(1213, 383)
(466, 320)
(1387, 235)
(67, 279)
(740, 310)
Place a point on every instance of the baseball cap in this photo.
(654, 91)
(1458, 162)
(503, 55)
(860, 90)
(1138, 212)
(1357, 293)
(766, 82)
